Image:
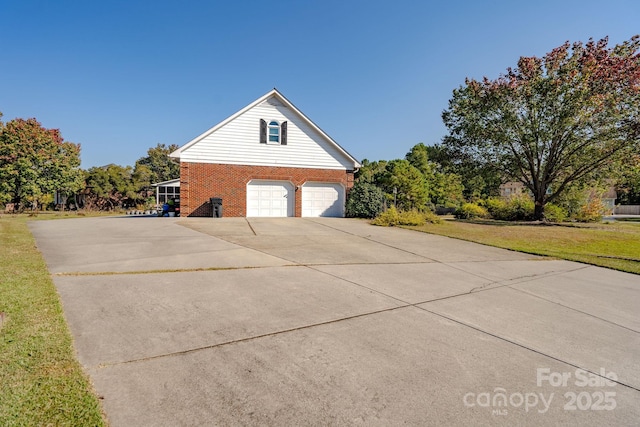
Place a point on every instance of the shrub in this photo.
(592, 211)
(517, 208)
(392, 217)
(387, 218)
(578, 201)
(522, 208)
(411, 217)
(365, 201)
(431, 218)
(497, 208)
(470, 211)
(554, 213)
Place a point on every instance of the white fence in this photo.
(627, 210)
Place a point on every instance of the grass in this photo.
(41, 381)
(629, 219)
(612, 245)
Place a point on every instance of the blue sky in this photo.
(119, 77)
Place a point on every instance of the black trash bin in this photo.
(216, 207)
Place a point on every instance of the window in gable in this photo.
(274, 131)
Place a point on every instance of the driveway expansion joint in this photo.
(251, 227)
(251, 338)
(524, 291)
(510, 341)
(183, 270)
(525, 278)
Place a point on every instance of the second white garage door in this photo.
(270, 198)
(322, 199)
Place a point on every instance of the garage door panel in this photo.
(322, 199)
(269, 199)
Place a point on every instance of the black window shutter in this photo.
(283, 133)
(263, 132)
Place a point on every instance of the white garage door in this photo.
(322, 199)
(270, 198)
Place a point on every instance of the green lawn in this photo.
(41, 382)
(612, 245)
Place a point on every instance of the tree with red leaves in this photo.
(35, 163)
(552, 121)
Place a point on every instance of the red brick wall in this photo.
(201, 181)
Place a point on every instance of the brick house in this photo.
(268, 159)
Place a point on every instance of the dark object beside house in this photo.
(176, 206)
(445, 211)
(216, 207)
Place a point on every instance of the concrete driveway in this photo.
(336, 322)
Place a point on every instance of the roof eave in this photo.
(356, 164)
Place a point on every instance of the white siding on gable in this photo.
(238, 142)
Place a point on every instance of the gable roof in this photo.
(271, 94)
(170, 183)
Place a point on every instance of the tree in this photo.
(36, 162)
(369, 170)
(628, 187)
(112, 186)
(444, 189)
(481, 180)
(157, 166)
(419, 158)
(404, 184)
(552, 121)
(161, 166)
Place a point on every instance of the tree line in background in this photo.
(565, 126)
(437, 179)
(570, 117)
(114, 186)
(37, 163)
